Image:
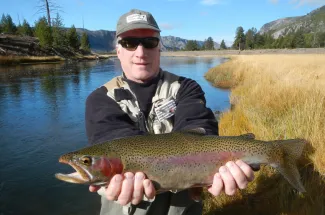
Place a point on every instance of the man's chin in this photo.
(144, 76)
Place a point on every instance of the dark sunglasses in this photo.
(132, 43)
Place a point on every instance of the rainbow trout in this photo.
(180, 160)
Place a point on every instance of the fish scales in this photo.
(181, 160)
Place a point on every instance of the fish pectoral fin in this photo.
(200, 131)
(248, 136)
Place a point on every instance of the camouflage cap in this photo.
(136, 19)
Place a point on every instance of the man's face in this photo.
(142, 64)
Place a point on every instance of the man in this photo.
(147, 99)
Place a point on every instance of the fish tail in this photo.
(287, 166)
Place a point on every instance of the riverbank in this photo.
(244, 52)
(14, 60)
(275, 97)
(24, 49)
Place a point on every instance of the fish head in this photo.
(90, 169)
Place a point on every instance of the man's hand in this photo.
(128, 188)
(230, 177)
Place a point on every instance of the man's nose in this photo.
(140, 52)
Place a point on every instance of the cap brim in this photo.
(137, 26)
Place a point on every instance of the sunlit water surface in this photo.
(42, 116)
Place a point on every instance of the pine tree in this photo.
(249, 37)
(59, 36)
(239, 42)
(7, 25)
(223, 45)
(43, 32)
(299, 39)
(191, 45)
(209, 44)
(85, 42)
(73, 39)
(25, 29)
(259, 41)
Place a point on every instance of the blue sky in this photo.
(188, 19)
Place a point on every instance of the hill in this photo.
(104, 41)
(309, 23)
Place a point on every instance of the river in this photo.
(42, 116)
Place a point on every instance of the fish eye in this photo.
(86, 160)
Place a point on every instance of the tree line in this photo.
(193, 45)
(51, 34)
(291, 38)
(251, 39)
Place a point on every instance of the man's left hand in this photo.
(230, 177)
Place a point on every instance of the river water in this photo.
(42, 116)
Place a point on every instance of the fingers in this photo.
(149, 189)
(138, 188)
(232, 176)
(238, 175)
(127, 189)
(114, 188)
(217, 186)
(247, 170)
(229, 182)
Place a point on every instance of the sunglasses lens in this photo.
(131, 44)
(150, 42)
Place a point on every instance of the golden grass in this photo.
(275, 97)
(7, 60)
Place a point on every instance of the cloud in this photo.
(274, 1)
(299, 3)
(166, 26)
(210, 2)
(80, 3)
(304, 2)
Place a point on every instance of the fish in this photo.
(180, 160)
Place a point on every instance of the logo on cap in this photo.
(136, 17)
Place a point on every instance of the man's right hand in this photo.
(128, 188)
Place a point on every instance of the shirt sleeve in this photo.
(105, 120)
(191, 111)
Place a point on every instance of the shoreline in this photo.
(17, 60)
(226, 53)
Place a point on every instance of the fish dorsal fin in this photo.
(200, 131)
(248, 136)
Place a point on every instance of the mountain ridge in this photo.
(104, 41)
(309, 23)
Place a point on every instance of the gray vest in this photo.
(158, 122)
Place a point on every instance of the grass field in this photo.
(275, 97)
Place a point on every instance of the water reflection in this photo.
(42, 117)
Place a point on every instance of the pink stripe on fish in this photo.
(206, 157)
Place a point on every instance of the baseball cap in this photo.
(136, 19)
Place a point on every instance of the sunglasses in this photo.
(132, 43)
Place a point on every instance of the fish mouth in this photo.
(81, 176)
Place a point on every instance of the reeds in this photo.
(275, 97)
